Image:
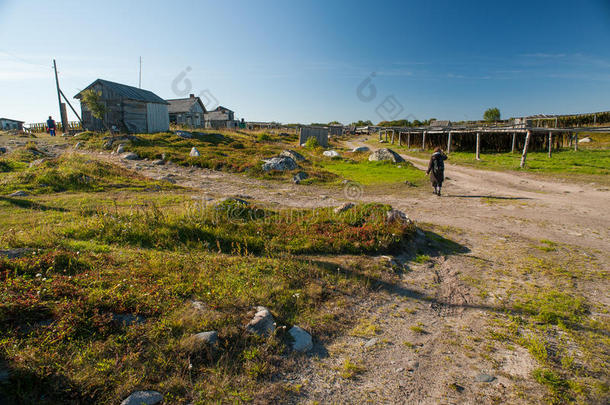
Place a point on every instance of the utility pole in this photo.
(140, 79)
(62, 107)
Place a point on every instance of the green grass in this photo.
(374, 173)
(109, 247)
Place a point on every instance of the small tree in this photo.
(492, 114)
(93, 101)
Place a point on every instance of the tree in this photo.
(335, 123)
(93, 100)
(361, 123)
(492, 114)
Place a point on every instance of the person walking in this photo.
(436, 170)
(51, 126)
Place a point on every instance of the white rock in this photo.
(584, 140)
(19, 193)
(346, 206)
(263, 323)
(130, 156)
(143, 398)
(330, 153)
(294, 155)
(361, 149)
(120, 149)
(396, 215)
(385, 154)
(302, 340)
(194, 152)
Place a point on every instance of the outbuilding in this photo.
(221, 117)
(187, 111)
(8, 124)
(128, 108)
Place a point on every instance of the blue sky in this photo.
(305, 61)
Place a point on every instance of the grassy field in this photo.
(374, 173)
(100, 303)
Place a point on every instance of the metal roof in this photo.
(10, 119)
(183, 105)
(128, 92)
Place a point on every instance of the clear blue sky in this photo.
(304, 61)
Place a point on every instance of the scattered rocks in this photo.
(360, 149)
(344, 207)
(331, 153)
(120, 149)
(263, 323)
(19, 193)
(385, 154)
(281, 163)
(128, 319)
(158, 162)
(210, 338)
(130, 156)
(143, 398)
(484, 378)
(396, 215)
(301, 339)
(370, 343)
(300, 176)
(184, 134)
(194, 152)
(37, 162)
(296, 156)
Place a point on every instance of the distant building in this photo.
(335, 130)
(8, 124)
(187, 111)
(129, 109)
(221, 117)
(319, 133)
(440, 124)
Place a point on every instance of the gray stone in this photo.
(14, 253)
(361, 149)
(331, 153)
(279, 163)
(344, 207)
(301, 339)
(300, 176)
(3, 150)
(143, 398)
(194, 152)
(158, 162)
(130, 156)
(163, 157)
(19, 193)
(484, 378)
(412, 365)
(77, 145)
(370, 343)
(296, 156)
(120, 149)
(184, 134)
(37, 162)
(208, 338)
(128, 319)
(385, 155)
(584, 140)
(199, 305)
(263, 323)
(235, 200)
(396, 215)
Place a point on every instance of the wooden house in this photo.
(8, 124)
(221, 117)
(128, 108)
(187, 111)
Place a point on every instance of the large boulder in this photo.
(280, 163)
(194, 152)
(331, 153)
(301, 340)
(3, 150)
(209, 339)
(184, 134)
(300, 176)
(130, 156)
(385, 154)
(143, 398)
(361, 149)
(263, 323)
(398, 216)
(120, 149)
(296, 156)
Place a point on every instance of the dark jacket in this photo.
(51, 124)
(436, 168)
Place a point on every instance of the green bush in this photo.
(312, 143)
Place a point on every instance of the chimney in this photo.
(192, 95)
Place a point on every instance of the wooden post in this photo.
(550, 143)
(575, 141)
(449, 142)
(423, 140)
(478, 152)
(380, 135)
(524, 155)
(386, 136)
(408, 140)
(399, 138)
(512, 149)
(393, 132)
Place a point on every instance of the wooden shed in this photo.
(221, 117)
(129, 109)
(8, 124)
(187, 111)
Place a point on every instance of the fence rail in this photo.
(42, 126)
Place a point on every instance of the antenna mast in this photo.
(140, 79)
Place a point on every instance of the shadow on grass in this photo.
(27, 204)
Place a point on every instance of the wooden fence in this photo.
(42, 126)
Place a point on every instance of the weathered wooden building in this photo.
(319, 133)
(129, 109)
(8, 124)
(187, 111)
(221, 117)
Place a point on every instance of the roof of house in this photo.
(183, 105)
(223, 109)
(10, 119)
(128, 92)
(440, 123)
